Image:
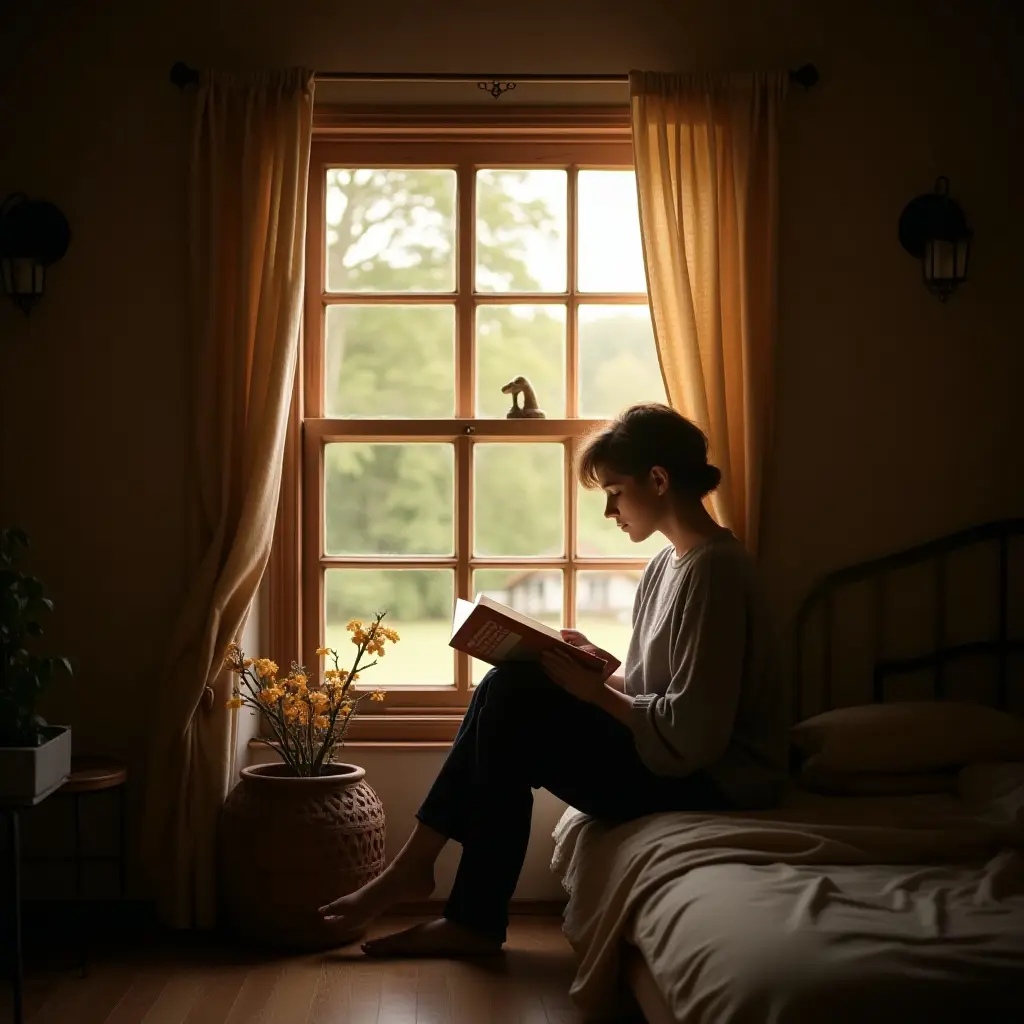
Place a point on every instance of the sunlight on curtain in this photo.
(247, 211)
(706, 154)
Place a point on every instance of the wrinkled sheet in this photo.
(829, 909)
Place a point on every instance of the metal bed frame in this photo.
(819, 606)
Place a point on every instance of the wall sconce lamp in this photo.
(934, 230)
(33, 234)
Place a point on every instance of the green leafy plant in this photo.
(23, 675)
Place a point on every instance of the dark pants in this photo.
(523, 732)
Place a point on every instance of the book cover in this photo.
(494, 633)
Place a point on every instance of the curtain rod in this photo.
(183, 75)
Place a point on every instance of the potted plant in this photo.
(35, 758)
(299, 833)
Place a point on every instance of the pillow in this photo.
(909, 736)
(821, 780)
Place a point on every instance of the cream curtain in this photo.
(247, 228)
(706, 155)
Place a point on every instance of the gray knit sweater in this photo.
(701, 671)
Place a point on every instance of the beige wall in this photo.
(896, 414)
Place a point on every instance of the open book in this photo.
(492, 632)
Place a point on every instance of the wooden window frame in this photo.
(465, 141)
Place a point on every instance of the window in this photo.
(440, 266)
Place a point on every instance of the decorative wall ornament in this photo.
(33, 234)
(934, 230)
(496, 88)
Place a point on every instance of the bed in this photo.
(889, 885)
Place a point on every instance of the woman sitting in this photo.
(695, 722)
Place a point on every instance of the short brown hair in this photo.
(648, 435)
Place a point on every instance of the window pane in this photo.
(518, 499)
(535, 592)
(419, 604)
(611, 257)
(520, 341)
(618, 360)
(389, 499)
(604, 607)
(520, 231)
(390, 230)
(390, 361)
(596, 536)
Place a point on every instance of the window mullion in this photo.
(312, 548)
(571, 496)
(465, 397)
(571, 333)
(386, 299)
(463, 545)
(314, 330)
(572, 396)
(465, 314)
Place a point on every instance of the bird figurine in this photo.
(529, 409)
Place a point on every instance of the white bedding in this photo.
(829, 908)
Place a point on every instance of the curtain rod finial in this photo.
(807, 76)
(182, 75)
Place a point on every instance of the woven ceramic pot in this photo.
(288, 845)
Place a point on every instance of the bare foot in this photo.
(397, 883)
(438, 938)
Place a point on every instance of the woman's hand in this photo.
(566, 672)
(577, 639)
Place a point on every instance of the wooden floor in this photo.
(203, 983)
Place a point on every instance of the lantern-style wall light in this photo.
(934, 230)
(33, 234)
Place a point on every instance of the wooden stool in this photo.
(91, 775)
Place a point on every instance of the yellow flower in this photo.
(296, 711)
(303, 703)
(233, 657)
(296, 683)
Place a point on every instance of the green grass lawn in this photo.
(423, 655)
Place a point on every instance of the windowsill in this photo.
(396, 731)
(258, 743)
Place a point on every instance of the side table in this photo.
(90, 775)
(12, 811)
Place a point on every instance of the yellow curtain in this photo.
(706, 155)
(247, 230)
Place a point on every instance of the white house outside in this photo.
(539, 593)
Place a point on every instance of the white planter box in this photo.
(30, 774)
